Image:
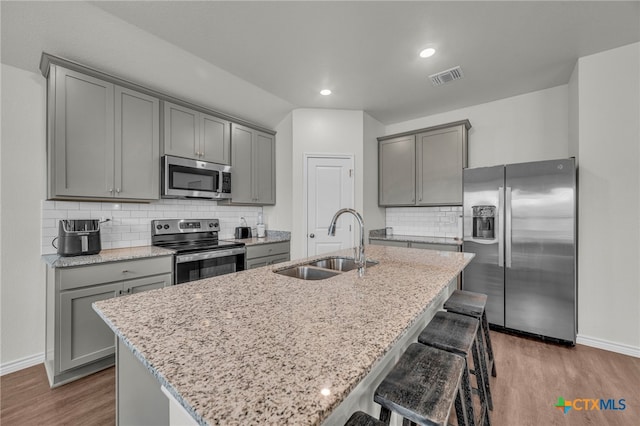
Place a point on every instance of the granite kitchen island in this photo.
(257, 347)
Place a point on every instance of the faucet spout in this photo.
(361, 260)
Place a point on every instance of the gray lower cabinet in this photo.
(103, 139)
(413, 244)
(195, 134)
(78, 341)
(267, 254)
(253, 166)
(423, 167)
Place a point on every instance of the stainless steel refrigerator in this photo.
(520, 221)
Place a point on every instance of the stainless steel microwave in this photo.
(187, 178)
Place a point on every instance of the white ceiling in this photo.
(366, 52)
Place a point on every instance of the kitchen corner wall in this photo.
(130, 223)
(607, 126)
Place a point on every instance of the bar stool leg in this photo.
(487, 339)
(385, 415)
(468, 397)
(479, 363)
(461, 413)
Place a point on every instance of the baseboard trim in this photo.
(22, 363)
(620, 348)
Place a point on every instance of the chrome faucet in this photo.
(361, 261)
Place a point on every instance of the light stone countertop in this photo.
(272, 237)
(110, 255)
(257, 347)
(379, 234)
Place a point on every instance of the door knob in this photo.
(312, 235)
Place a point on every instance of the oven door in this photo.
(197, 266)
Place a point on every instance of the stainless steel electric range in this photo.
(198, 251)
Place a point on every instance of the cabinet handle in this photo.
(420, 199)
(111, 190)
(125, 271)
(118, 190)
(129, 290)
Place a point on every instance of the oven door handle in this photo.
(192, 257)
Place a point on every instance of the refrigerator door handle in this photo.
(508, 226)
(501, 226)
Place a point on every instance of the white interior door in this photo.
(329, 188)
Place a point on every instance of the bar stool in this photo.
(363, 419)
(423, 387)
(461, 335)
(473, 305)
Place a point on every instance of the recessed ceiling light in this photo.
(427, 52)
(325, 92)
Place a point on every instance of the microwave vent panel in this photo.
(446, 76)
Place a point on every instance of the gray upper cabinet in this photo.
(193, 134)
(252, 166)
(397, 171)
(137, 148)
(103, 139)
(441, 155)
(81, 151)
(423, 167)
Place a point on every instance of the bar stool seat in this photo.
(363, 419)
(423, 387)
(461, 335)
(473, 305)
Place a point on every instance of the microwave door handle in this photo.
(220, 178)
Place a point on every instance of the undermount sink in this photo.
(322, 268)
(343, 264)
(307, 273)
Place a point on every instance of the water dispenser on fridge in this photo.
(484, 222)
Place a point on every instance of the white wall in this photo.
(322, 131)
(22, 283)
(279, 216)
(609, 198)
(529, 127)
(373, 215)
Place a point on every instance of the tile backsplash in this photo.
(130, 223)
(425, 221)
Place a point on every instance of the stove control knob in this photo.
(166, 227)
(210, 225)
(158, 226)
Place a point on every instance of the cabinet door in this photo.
(264, 168)
(397, 177)
(137, 145)
(241, 171)
(84, 336)
(257, 263)
(214, 139)
(440, 160)
(181, 131)
(147, 283)
(82, 143)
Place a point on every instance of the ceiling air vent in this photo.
(446, 76)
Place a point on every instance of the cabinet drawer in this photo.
(261, 250)
(84, 276)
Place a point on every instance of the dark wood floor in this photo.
(531, 377)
